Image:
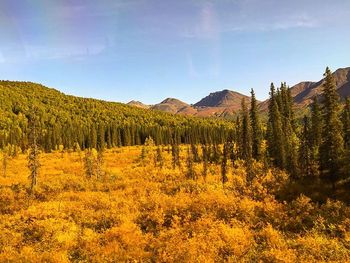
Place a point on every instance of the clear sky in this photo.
(148, 50)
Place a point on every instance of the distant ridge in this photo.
(227, 102)
(171, 105)
(138, 104)
(224, 98)
(304, 92)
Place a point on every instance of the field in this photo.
(135, 210)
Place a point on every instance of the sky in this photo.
(149, 50)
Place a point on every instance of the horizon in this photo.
(151, 50)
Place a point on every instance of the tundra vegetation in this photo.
(93, 186)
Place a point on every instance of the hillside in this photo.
(224, 98)
(305, 91)
(171, 105)
(138, 104)
(67, 120)
(219, 104)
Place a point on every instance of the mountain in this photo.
(304, 92)
(225, 98)
(174, 106)
(220, 104)
(138, 104)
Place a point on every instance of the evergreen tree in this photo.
(89, 163)
(316, 127)
(332, 146)
(33, 157)
(305, 149)
(246, 139)
(99, 162)
(159, 158)
(5, 155)
(190, 174)
(346, 129)
(224, 178)
(175, 152)
(195, 154)
(275, 132)
(346, 123)
(256, 128)
(215, 153)
(205, 158)
(290, 139)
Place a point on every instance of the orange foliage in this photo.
(136, 211)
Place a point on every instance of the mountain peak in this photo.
(224, 98)
(173, 101)
(138, 104)
(171, 105)
(304, 92)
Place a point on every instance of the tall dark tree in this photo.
(346, 123)
(89, 163)
(316, 127)
(224, 178)
(5, 156)
(194, 151)
(332, 146)
(290, 139)
(205, 158)
(346, 128)
(246, 136)
(256, 127)
(274, 131)
(175, 153)
(34, 151)
(305, 149)
(190, 173)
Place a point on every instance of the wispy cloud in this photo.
(204, 25)
(191, 69)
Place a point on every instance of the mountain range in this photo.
(227, 102)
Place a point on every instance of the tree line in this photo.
(74, 122)
(316, 146)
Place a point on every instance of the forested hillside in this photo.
(70, 121)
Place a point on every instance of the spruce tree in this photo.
(190, 174)
(346, 131)
(274, 131)
(305, 149)
(195, 154)
(224, 178)
(332, 146)
(159, 158)
(175, 153)
(256, 128)
(89, 163)
(246, 139)
(316, 127)
(346, 123)
(205, 158)
(33, 157)
(99, 162)
(5, 155)
(290, 139)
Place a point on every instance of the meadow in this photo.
(138, 208)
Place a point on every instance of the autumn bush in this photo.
(137, 211)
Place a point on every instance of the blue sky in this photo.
(148, 50)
